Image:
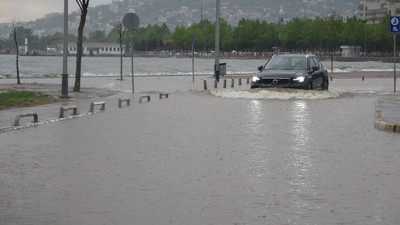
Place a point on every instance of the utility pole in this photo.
(201, 11)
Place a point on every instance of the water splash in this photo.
(276, 93)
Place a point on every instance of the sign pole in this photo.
(133, 71)
(131, 22)
(394, 28)
(394, 62)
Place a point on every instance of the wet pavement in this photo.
(208, 157)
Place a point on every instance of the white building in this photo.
(350, 51)
(94, 49)
(372, 10)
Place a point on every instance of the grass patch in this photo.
(14, 99)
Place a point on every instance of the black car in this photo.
(303, 71)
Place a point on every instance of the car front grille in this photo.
(275, 81)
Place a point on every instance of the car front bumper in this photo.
(289, 84)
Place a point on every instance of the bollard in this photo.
(248, 80)
(164, 94)
(144, 96)
(66, 108)
(240, 81)
(215, 84)
(127, 100)
(233, 83)
(205, 84)
(362, 78)
(224, 83)
(93, 104)
(35, 118)
(331, 78)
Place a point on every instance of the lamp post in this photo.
(64, 82)
(216, 72)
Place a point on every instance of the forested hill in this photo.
(185, 12)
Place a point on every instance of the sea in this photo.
(51, 66)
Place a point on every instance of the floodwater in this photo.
(39, 66)
(224, 156)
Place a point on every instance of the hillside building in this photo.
(373, 10)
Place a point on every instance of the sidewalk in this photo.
(387, 115)
(51, 112)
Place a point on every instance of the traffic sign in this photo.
(131, 21)
(394, 24)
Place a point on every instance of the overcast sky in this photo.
(26, 10)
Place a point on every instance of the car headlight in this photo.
(255, 79)
(299, 79)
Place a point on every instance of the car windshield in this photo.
(287, 63)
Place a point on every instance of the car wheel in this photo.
(325, 86)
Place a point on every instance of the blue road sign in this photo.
(394, 24)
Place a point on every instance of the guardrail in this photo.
(35, 118)
(224, 83)
(93, 104)
(66, 108)
(144, 97)
(74, 108)
(127, 100)
(164, 94)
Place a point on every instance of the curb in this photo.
(382, 125)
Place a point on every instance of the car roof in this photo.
(294, 55)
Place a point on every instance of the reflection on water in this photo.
(302, 184)
(257, 148)
(255, 116)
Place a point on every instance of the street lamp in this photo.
(64, 82)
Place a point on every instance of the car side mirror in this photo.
(260, 68)
(315, 68)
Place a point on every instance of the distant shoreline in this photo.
(224, 56)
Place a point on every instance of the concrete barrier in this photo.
(127, 100)
(163, 95)
(35, 118)
(93, 104)
(144, 97)
(66, 108)
(382, 125)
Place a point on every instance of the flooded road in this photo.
(209, 157)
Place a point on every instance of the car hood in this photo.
(281, 73)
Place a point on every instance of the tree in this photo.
(14, 24)
(97, 36)
(83, 5)
(120, 29)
